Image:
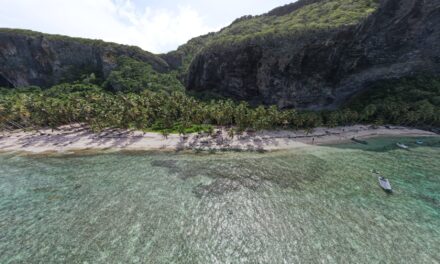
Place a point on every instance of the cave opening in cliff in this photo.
(5, 83)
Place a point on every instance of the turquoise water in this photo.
(315, 205)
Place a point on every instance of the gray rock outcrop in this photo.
(324, 69)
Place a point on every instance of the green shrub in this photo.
(135, 76)
(179, 113)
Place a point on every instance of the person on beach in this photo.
(313, 140)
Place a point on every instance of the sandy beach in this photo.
(78, 137)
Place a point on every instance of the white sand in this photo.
(78, 137)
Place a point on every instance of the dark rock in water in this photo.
(430, 200)
(233, 176)
(32, 58)
(172, 165)
(322, 69)
(218, 187)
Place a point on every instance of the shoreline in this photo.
(77, 137)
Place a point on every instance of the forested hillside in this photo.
(303, 65)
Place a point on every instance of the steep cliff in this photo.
(32, 58)
(311, 54)
(319, 66)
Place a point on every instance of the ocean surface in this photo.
(311, 205)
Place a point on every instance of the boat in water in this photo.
(402, 146)
(385, 184)
(363, 142)
(419, 142)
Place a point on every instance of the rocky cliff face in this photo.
(322, 69)
(312, 54)
(31, 58)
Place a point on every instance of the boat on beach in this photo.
(402, 146)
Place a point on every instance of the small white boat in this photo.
(402, 146)
(419, 142)
(385, 184)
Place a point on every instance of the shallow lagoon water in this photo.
(311, 205)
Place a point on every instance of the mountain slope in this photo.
(33, 58)
(282, 22)
(319, 66)
(311, 54)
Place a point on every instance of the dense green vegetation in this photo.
(189, 50)
(413, 102)
(134, 76)
(110, 49)
(323, 15)
(85, 41)
(408, 101)
(326, 14)
(134, 95)
(69, 103)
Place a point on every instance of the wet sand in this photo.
(77, 137)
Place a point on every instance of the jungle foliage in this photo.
(412, 102)
(135, 76)
(322, 15)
